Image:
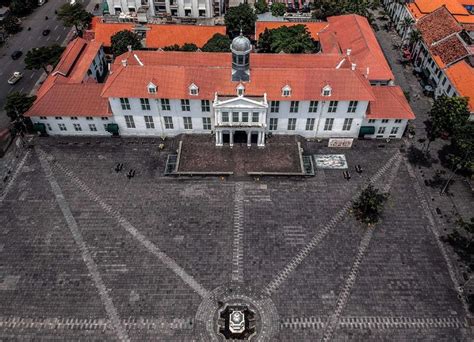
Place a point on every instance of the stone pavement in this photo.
(88, 254)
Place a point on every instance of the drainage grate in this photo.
(308, 165)
(171, 161)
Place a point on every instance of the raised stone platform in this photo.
(199, 155)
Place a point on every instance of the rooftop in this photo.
(420, 8)
(438, 25)
(461, 76)
(449, 51)
(390, 103)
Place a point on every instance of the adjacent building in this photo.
(242, 96)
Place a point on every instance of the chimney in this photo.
(124, 62)
(129, 47)
(367, 74)
(353, 66)
(348, 52)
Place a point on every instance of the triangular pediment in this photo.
(241, 102)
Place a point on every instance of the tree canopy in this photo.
(74, 15)
(278, 9)
(188, 47)
(41, 57)
(242, 16)
(327, 8)
(368, 206)
(122, 39)
(462, 148)
(22, 7)
(11, 24)
(261, 6)
(447, 114)
(217, 43)
(18, 104)
(288, 39)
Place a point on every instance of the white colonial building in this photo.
(238, 97)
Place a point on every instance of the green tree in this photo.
(217, 43)
(18, 104)
(278, 9)
(261, 6)
(75, 15)
(23, 7)
(462, 148)
(446, 115)
(189, 47)
(42, 57)
(288, 39)
(462, 241)
(406, 25)
(328, 8)
(240, 17)
(174, 47)
(11, 24)
(368, 206)
(122, 40)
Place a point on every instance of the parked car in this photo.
(16, 54)
(46, 32)
(15, 77)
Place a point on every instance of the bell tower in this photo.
(241, 48)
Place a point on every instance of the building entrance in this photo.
(240, 137)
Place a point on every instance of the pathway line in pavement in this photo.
(86, 255)
(238, 244)
(14, 176)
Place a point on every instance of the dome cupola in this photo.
(241, 48)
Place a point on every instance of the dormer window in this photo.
(327, 90)
(193, 90)
(151, 88)
(286, 91)
(240, 90)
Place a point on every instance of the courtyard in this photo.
(88, 253)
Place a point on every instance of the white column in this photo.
(261, 139)
(231, 138)
(249, 138)
(218, 138)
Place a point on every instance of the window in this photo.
(77, 127)
(372, 120)
(89, 118)
(104, 119)
(149, 124)
(328, 124)
(398, 121)
(225, 116)
(206, 124)
(245, 117)
(309, 124)
(168, 122)
(332, 106)
(327, 90)
(449, 89)
(291, 124)
(394, 130)
(444, 81)
(240, 90)
(193, 90)
(352, 106)
(62, 127)
(255, 116)
(346, 126)
(313, 106)
(129, 121)
(73, 117)
(294, 106)
(125, 103)
(274, 106)
(92, 128)
(188, 124)
(58, 118)
(48, 126)
(105, 126)
(151, 88)
(381, 130)
(165, 104)
(205, 105)
(43, 118)
(286, 91)
(185, 107)
(273, 124)
(384, 120)
(235, 116)
(145, 104)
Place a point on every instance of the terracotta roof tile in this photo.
(70, 56)
(390, 103)
(461, 75)
(437, 25)
(448, 51)
(313, 27)
(85, 61)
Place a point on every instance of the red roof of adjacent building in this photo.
(420, 8)
(461, 75)
(64, 92)
(390, 103)
(437, 25)
(313, 27)
(157, 35)
(355, 33)
(174, 78)
(448, 51)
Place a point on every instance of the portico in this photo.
(239, 135)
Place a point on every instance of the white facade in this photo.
(178, 8)
(386, 128)
(74, 126)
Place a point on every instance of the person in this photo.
(46, 18)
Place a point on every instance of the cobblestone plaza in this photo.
(88, 254)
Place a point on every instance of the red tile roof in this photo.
(72, 99)
(448, 51)
(173, 79)
(354, 32)
(437, 25)
(85, 61)
(70, 56)
(461, 75)
(157, 35)
(420, 8)
(313, 27)
(390, 103)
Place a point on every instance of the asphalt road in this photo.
(25, 41)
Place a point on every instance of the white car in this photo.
(15, 77)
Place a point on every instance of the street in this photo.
(25, 41)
